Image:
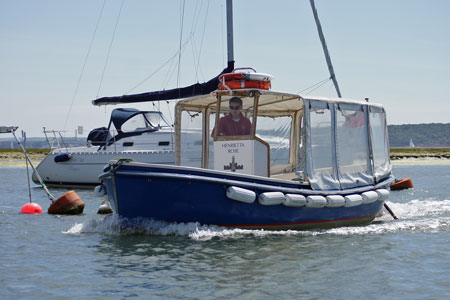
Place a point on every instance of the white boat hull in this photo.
(82, 165)
(83, 168)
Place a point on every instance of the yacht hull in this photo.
(83, 168)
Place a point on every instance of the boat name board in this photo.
(233, 147)
(240, 157)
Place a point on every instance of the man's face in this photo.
(235, 110)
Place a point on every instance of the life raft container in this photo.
(245, 80)
(402, 184)
(236, 76)
(244, 84)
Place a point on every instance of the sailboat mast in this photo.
(230, 47)
(325, 49)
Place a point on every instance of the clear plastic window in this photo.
(136, 123)
(321, 143)
(380, 146)
(156, 120)
(236, 116)
(191, 139)
(351, 141)
(276, 132)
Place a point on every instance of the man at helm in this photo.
(234, 123)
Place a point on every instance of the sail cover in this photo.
(178, 93)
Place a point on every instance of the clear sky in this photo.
(394, 52)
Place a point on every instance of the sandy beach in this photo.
(16, 163)
(17, 160)
(420, 161)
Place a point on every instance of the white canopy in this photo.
(341, 143)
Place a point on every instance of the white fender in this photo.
(369, 197)
(271, 198)
(99, 191)
(316, 201)
(383, 194)
(353, 200)
(294, 200)
(240, 194)
(335, 201)
(105, 208)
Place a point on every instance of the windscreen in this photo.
(136, 123)
(191, 139)
(156, 119)
(145, 121)
(276, 132)
(236, 116)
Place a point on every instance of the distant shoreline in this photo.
(14, 158)
(419, 153)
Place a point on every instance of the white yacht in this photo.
(143, 136)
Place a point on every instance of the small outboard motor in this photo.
(99, 136)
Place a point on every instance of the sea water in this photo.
(89, 257)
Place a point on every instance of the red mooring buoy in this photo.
(404, 183)
(68, 204)
(31, 208)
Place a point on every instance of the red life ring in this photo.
(245, 84)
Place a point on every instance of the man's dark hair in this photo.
(236, 100)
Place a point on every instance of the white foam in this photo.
(420, 208)
(109, 225)
(415, 215)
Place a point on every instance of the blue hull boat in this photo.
(188, 194)
(260, 159)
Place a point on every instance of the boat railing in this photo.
(56, 139)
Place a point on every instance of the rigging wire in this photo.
(84, 64)
(181, 39)
(196, 16)
(201, 43)
(172, 67)
(197, 12)
(171, 59)
(315, 86)
(182, 4)
(110, 47)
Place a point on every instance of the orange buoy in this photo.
(402, 184)
(31, 208)
(68, 204)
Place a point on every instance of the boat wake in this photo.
(414, 216)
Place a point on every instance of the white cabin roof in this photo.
(271, 103)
